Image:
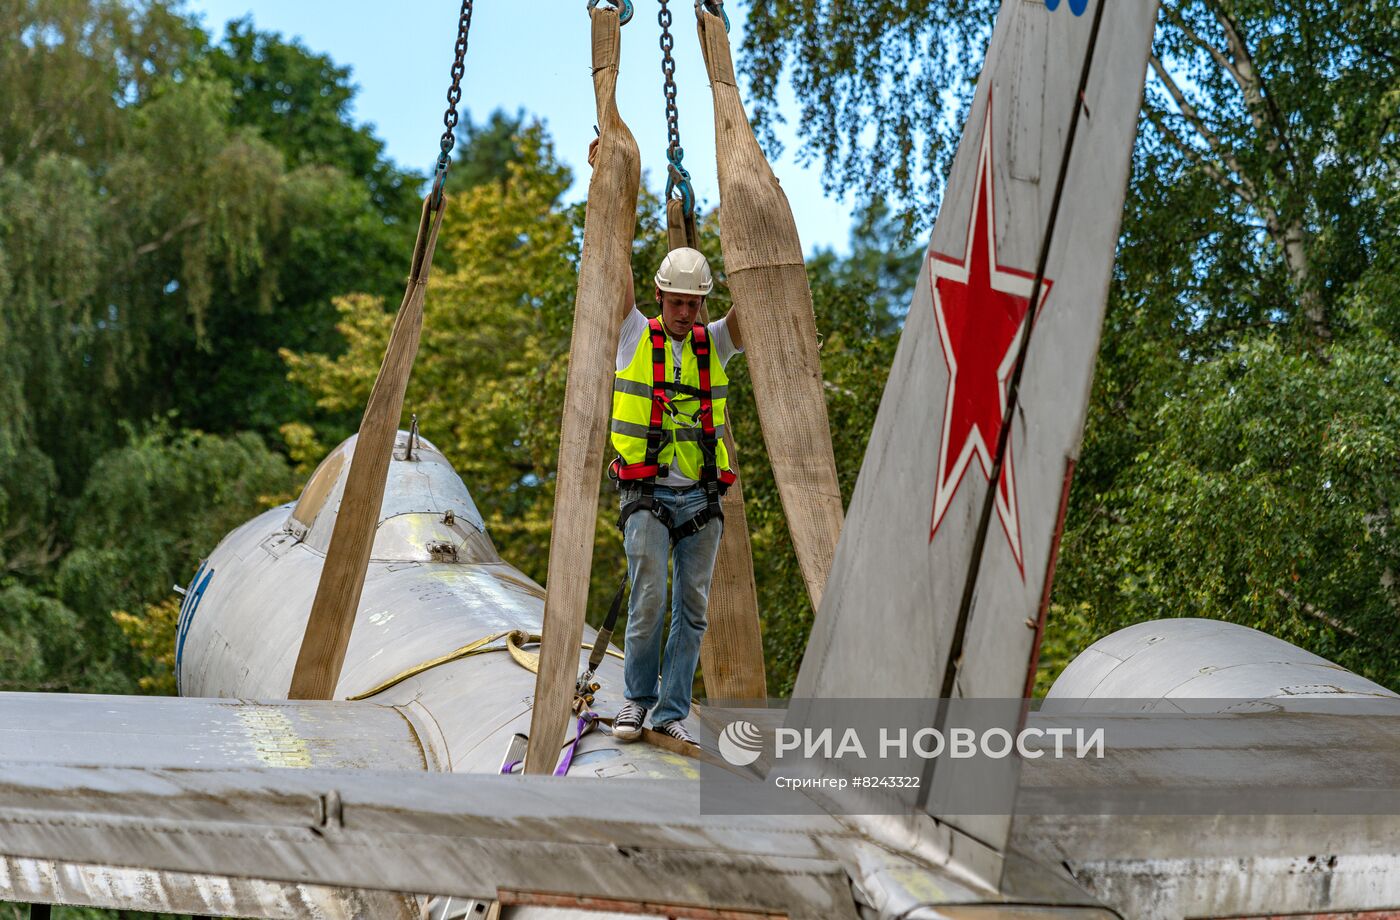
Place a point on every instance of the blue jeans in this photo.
(648, 544)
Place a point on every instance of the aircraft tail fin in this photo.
(939, 583)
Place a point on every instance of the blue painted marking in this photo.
(182, 624)
(180, 621)
(185, 602)
(1077, 7)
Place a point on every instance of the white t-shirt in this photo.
(634, 327)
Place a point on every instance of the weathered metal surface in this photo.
(318, 488)
(47, 881)
(155, 732)
(455, 835)
(1010, 912)
(435, 585)
(1223, 861)
(1150, 665)
(427, 483)
(566, 913)
(241, 642)
(563, 906)
(1291, 748)
(1278, 763)
(1348, 915)
(1170, 867)
(466, 836)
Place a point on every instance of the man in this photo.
(668, 422)
(672, 468)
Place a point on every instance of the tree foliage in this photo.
(881, 88)
(171, 211)
(1266, 498)
(1248, 336)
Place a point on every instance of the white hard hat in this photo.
(685, 271)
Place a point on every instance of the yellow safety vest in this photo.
(668, 418)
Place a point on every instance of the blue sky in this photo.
(532, 56)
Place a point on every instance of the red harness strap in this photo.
(708, 447)
(649, 467)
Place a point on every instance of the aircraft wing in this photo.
(1251, 813)
(228, 839)
(518, 839)
(289, 809)
(148, 732)
(44, 736)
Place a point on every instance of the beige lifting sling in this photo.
(332, 617)
(768, 280)
(604, 269)
(333, 611)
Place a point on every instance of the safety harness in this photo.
(713, 480)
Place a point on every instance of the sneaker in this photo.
(676, 730)
(628, 724)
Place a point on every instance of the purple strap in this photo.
(583, 722)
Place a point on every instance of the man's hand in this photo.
(593, 150)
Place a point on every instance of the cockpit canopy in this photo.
(427, 514)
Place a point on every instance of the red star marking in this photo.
(979, 306)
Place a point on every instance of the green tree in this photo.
(348, 215)
(485, 151)
(151, 510)
(170, 213)
(299, 101)
(125, 201)
(881, 88)
(42, 647)
(1267, 498)
(1256, 275)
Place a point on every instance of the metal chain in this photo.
(454, 96)
(668, 73)
(677, 176)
